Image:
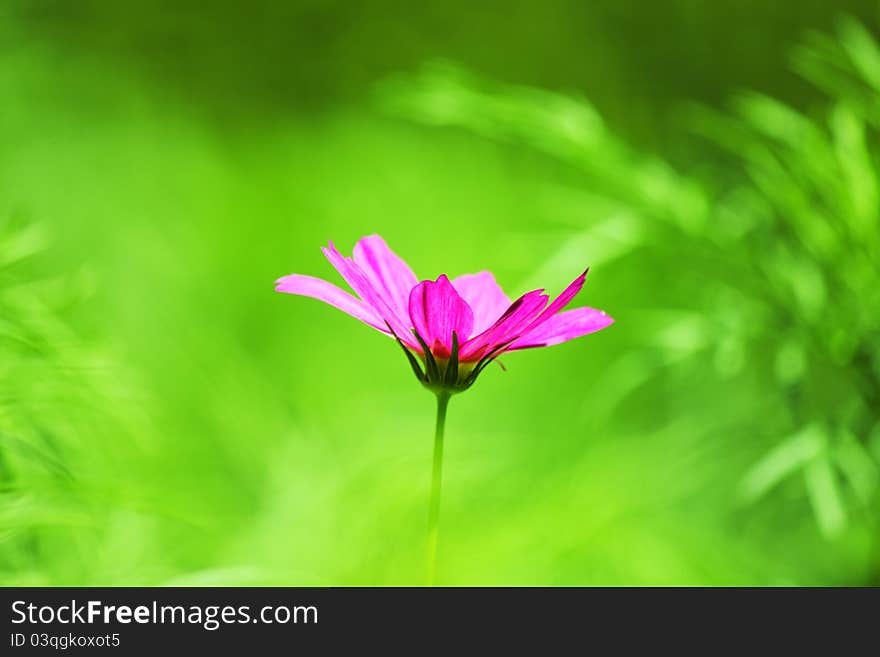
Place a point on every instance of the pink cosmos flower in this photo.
(452, 328)
(449, 330)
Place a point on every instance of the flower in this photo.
(448, 329)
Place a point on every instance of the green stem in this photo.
(436, 485)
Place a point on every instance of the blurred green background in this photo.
(167, 419)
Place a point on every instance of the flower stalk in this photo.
(436, 490)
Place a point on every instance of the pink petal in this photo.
(559, 302)
(484, 296)
(564, 326)
(359, 282)
(436, 310)
(510, 325)
(316, 288)
(389, 275)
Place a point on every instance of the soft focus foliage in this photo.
(168, 419)
(784, 242)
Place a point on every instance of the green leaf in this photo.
(782, 461)
(825, 497)
(856, 465)
(862, 50)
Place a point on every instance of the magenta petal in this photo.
(436, 310)
(316, 288)
(564, 326)
(509, 326)
(389, 275)
(484, 296)
(359, 282)
(559, 302)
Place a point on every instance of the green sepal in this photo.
(431, 369)
(484, 361)
(413, 361)
(450, 378)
